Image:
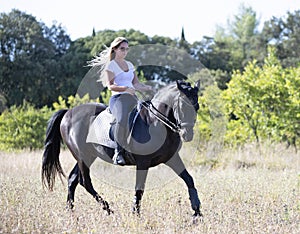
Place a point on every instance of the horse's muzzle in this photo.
(186, 135)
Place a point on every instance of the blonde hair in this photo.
(101, 61)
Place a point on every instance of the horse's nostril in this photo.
(186, 135)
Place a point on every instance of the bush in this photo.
(211, 118)
(72, 101)
(264, 102)
(23, 127)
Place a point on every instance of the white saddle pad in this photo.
(99, 129)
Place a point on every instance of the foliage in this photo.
(2, 103)
(23, 127)
(211, 118)
(40, 65)
(284, 34)
(105, 96)
(211, 77)
(233, 47)
(72, 101)
(30, 59)
(264, 102)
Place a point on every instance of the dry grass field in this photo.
(249, 190)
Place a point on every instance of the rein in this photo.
(161, 117)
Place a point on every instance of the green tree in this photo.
(240, 37)
(74, 66)
(157, 58)
(214, 55)
(284, 34)
(30, 58)
(264, 101)
(231, 48)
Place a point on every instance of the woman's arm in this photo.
(139, 86)
(111, 86)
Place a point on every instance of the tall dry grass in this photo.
(249, 190)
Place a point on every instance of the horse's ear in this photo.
(197, 84)
(179, 82)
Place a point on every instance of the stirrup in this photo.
(118, 158)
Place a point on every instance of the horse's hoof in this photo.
(197, 214)
(109, 211)
(197, 217)
(136, 210)
(105, 206)
(136, 213)
(70, 206)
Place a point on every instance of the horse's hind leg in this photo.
(73, 180)
(87, 183)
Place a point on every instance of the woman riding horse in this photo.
(171, 115)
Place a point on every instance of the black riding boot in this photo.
(119, 156)
(120, 138)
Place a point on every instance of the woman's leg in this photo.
(121, 107)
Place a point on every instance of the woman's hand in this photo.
(147, 87)
(130, 90)
(142, 87)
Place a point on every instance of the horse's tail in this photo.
(51, 164)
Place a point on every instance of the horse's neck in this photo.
(165, 96)
(162, 102)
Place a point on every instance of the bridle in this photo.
(178, 112)
(175, 127)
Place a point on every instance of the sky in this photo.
(156, 17)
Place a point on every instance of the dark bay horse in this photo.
(171, 113)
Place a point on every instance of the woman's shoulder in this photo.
(111, 65)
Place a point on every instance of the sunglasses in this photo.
(123, 49)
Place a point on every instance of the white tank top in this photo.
(121, 78)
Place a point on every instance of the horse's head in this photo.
(185, 109)
(179, 103)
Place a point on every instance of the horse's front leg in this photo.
(136, 207)
(141, 176)
(193, 194)
(177, 165)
